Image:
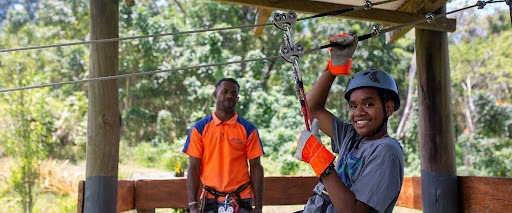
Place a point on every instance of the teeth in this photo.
(362, 122)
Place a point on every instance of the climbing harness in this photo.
(291, 53)
(227, 207)
(230, 204)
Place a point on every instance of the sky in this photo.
(488, 9)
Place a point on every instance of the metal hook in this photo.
(480, 4)
(375, 30)
(368, 4)
(430, 17)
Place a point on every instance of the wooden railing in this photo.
(477, 194)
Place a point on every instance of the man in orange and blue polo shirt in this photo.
(219, 147)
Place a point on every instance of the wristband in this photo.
(192, 204)
(328, 170)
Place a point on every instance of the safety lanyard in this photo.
(291, 53)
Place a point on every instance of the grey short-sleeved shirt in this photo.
(372, 170)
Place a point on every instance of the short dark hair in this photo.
(232, 80)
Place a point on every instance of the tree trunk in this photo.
(468, 101)
(408, 103)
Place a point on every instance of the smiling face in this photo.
(226, 97)
(366, 113)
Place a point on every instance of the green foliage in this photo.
(487, 152)
(49, 202)
(23, 181)
(46, 202)
(70, 133)
(492, 120)
(158, 110)
(482, 92)
(411, 144)
(482, 156)
(164, 121)
(175, 160)
(146, 154)
(41, 122)
(156, 155)
(25, 141)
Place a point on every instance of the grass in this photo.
(57, 188)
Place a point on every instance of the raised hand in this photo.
(340, 61)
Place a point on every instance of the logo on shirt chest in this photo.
(236, 141)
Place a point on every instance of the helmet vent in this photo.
(373, 77)
(377, 79)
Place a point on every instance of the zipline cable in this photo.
(428, 18)
(134, 74)
(130, 38)
(364, 37)
(367, 5)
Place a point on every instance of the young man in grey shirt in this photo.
(368, 174)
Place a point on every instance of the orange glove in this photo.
(311, 150)
(340, 61)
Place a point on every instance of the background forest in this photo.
(43, 131)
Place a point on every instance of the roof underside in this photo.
(388, 6)
(390, 14)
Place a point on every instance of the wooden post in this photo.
(510, 9)
(437, 141)
(103, 128)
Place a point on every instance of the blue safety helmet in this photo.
(376, 79)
